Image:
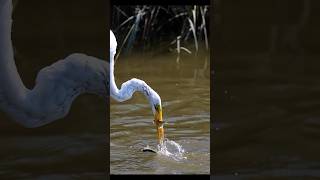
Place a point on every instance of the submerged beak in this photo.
(159, 123)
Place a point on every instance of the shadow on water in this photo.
(185, 94)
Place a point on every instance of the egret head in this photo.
(156, 107)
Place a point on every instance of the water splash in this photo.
(171, 149)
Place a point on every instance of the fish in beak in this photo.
(159, 123)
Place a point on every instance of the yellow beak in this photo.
(159, 123)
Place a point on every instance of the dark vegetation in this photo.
(161, 28)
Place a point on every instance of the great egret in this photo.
(60, 83)
(133, 85)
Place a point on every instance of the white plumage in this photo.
(131, 86)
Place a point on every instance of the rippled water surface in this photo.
(185, 94)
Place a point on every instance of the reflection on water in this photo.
(266, 121)
(185, 94)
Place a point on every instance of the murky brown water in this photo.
(185, 94)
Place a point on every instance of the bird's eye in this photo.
(157, 107)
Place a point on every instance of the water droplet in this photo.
(171, 149)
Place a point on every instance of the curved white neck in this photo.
(9, 74)
(128, 88)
